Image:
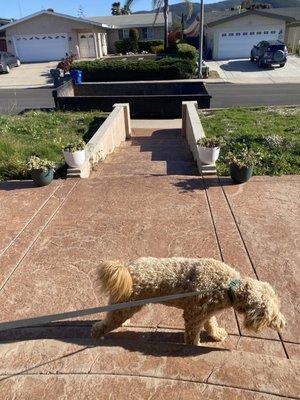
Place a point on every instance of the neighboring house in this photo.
(3, 21)
(47, 35)
(233, 34)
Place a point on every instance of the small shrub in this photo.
(210, 142)
(185, 50)
(75, 146)
(243, 156)
(43, 164)
(148, 44)
(125, 46)
(157, 49)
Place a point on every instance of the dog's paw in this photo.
(219, 335)
(98, 330)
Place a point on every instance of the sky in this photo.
(20, 8)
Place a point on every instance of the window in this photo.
(147, 33)
(273, 32)
(237, 34)
(231, 34)
(266, 32)
(125, 33)
(258, 33)
(245, 33)
(224, 34)
(252, 33)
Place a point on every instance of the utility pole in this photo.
(201, 22)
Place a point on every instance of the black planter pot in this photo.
(41, 177)
(240, 175)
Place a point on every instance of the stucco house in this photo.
(48, 35)
(232, 34)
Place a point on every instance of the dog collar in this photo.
(233, 284)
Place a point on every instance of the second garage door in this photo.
(238, 44)
(50, 47)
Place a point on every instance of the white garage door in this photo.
(238, 44)
(48, 47)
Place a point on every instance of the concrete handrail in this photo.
(192, 128)
(115, 130)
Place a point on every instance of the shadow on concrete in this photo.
(17, 185)
(242, 66)
(195, 184)
(155, 343)
(168, 145)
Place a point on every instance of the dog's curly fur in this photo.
(152, 277)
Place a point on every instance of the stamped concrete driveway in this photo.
(32, 75)
(244, 71)
(145, 199)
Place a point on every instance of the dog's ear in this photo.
(263, 309)
(278, 323)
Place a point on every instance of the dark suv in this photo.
(269, 52)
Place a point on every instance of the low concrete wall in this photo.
(193, 130)
(115, 130)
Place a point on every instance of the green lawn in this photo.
(273, 131)
(42, 134)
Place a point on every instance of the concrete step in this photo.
(133, 353)
(147, 168)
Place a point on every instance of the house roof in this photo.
(47, 12)
(293, 12)
(132, 20)
(237, 15)
(4, 21)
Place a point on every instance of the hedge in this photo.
(147, 45)
(187, 51)
(117, 70)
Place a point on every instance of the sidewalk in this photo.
(145, 199)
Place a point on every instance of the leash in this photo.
(36, 321)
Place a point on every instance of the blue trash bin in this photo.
(76, 75)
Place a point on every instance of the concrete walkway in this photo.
(145, 199)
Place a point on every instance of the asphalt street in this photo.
(13, 101)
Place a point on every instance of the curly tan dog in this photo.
(152, 277)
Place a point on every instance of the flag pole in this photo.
(201, 22)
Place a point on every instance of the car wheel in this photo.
(260, 63)
(281, 65)
(7, 69)
(18, 63)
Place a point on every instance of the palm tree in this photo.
(162, 4)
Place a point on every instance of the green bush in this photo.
(147, 45)
(157, 49)
(125, 46)
(135, 70)
(187, 51)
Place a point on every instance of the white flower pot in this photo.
(75, 159)
(208, 155)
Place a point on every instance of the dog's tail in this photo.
(116, 280)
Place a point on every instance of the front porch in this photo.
(90, 44)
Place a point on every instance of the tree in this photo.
(116, 8)
(162, 5)
(246, 4)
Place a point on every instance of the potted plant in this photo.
(41, 170)
(241, 162)
(209, 149)
(74, 153)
